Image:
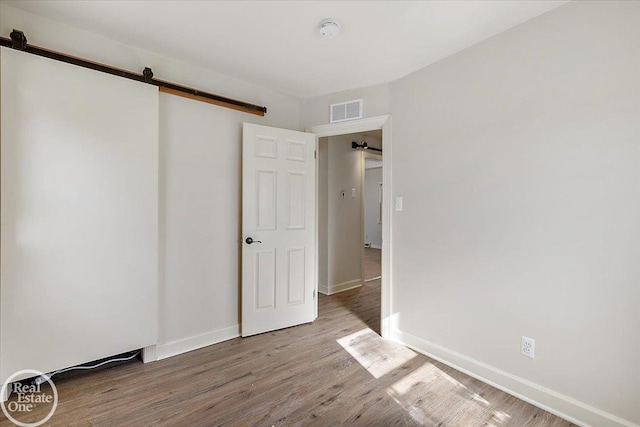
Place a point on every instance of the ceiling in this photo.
(276, 44)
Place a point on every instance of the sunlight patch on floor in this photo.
(424, 393)
(376, 355)
(424, 377)
(500, 417)
(421, 391)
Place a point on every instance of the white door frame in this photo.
(367, 154)
(357, 126)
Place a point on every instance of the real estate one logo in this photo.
(26, 402)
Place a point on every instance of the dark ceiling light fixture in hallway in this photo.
(364, 146)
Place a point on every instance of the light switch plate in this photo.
(399, 204)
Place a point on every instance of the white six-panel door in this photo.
(278, 215)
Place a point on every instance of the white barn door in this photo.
(278, 228)
(79, 214)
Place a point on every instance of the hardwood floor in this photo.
(335, 371)
(372, 263)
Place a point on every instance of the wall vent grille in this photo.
(343, 111)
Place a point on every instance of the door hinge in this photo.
(314, 293)
(314, 154)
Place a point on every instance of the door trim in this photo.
(363, 125)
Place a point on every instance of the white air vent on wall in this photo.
(344, 111)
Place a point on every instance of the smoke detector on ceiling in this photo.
(329, 28)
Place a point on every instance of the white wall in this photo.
(520, 160)
(199, 180)
(323, 214)
(372, 228)
(344, 216)
(200, 207)
(375, 102)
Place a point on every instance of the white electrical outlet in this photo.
(528, 347)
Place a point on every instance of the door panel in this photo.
(296, 200)
(295, 290)
(266, 200)
(265, 279)
(278, 213)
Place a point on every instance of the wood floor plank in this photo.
(336, 371)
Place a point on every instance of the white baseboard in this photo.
(558, 404)
(150, 354)
(193, 343)
(340, 287)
